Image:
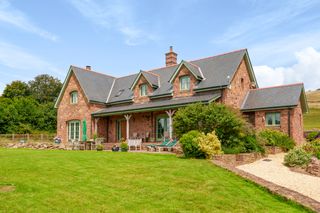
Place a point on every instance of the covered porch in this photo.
(148, 127)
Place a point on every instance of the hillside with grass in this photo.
(312, 119)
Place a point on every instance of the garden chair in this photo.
(76, 145)
(169, 146)
(165, 142)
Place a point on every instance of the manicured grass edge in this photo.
(280, 193)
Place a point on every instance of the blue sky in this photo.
(122, 37)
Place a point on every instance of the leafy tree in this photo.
(16, 89)
(45, 88)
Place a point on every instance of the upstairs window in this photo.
(143, 90)
(74, 97)
(273, 119)
(185, 83)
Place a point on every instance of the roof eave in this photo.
(267, 108)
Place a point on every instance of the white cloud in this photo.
(306, 70)
(263, 20)
(115, 15)
(16, 58)
(15, 17)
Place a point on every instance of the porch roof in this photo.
(158, 104)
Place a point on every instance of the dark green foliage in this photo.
(190, 146)
(16, 89)
(234, 133)
(297, 157)
(45, 88)
(124, 145)
(22, 111)
(276, 138)
(312, 135)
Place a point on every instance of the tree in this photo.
(16, 89)
(45, 88)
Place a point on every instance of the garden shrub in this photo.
(313, 148)
(209, 144)
(99, 147)
(297, 157)
(312, 136)
(124, 145)
(190, 145)
(276, 138)
(229, 126)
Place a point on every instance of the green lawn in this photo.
(311, 120)
(79, 181)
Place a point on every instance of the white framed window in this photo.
(185, 82)
(143, 90)
(74, 130)
(273, 119)
(74, 97)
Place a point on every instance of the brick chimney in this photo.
(171, 57)
(88, 68)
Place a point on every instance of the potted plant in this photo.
(99, 147)
(123, 145)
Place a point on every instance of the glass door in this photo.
(162, 127)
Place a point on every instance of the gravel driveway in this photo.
(274, 171)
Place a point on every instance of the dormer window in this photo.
(74, 97)
(185, 82)
(143, 90)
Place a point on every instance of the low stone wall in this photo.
(238, 159)
(273, 150)
(36, 146)
(314, 167)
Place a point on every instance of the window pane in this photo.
(185, 83)
(74, 97)
(162, 127)
(277, 118)
(143, 90)
(77, 131)
(72, 131)
(269, 119)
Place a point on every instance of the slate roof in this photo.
(96, 86)
(275, 97)
(216, 71)
(153, 104)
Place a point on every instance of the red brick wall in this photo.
(136, 91)
(67, 111)
(176, 83)
(235, 95)
(296, 122)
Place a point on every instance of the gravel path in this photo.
(274, 171)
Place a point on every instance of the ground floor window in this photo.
(162, 127)
(74, 130)
(273, 119)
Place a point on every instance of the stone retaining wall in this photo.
(36, 146)
(314, 167)
(238, 159)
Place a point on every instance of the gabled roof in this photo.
(96, 86)
(215, 72)
(194, 69)
(158, 104)
(284, 96)
(152, 79)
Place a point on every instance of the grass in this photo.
(83, 181)
(311, 120)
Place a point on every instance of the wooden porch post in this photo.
(127, 117)
(96, 120)
(170, 113)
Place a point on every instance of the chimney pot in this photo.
(171, 57)
(88, 68)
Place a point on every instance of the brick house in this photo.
(142, 105)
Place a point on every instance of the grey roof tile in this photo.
(216, 71)
(96, 86)
(273, 97)
(159, 104)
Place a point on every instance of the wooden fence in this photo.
(24, 138)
